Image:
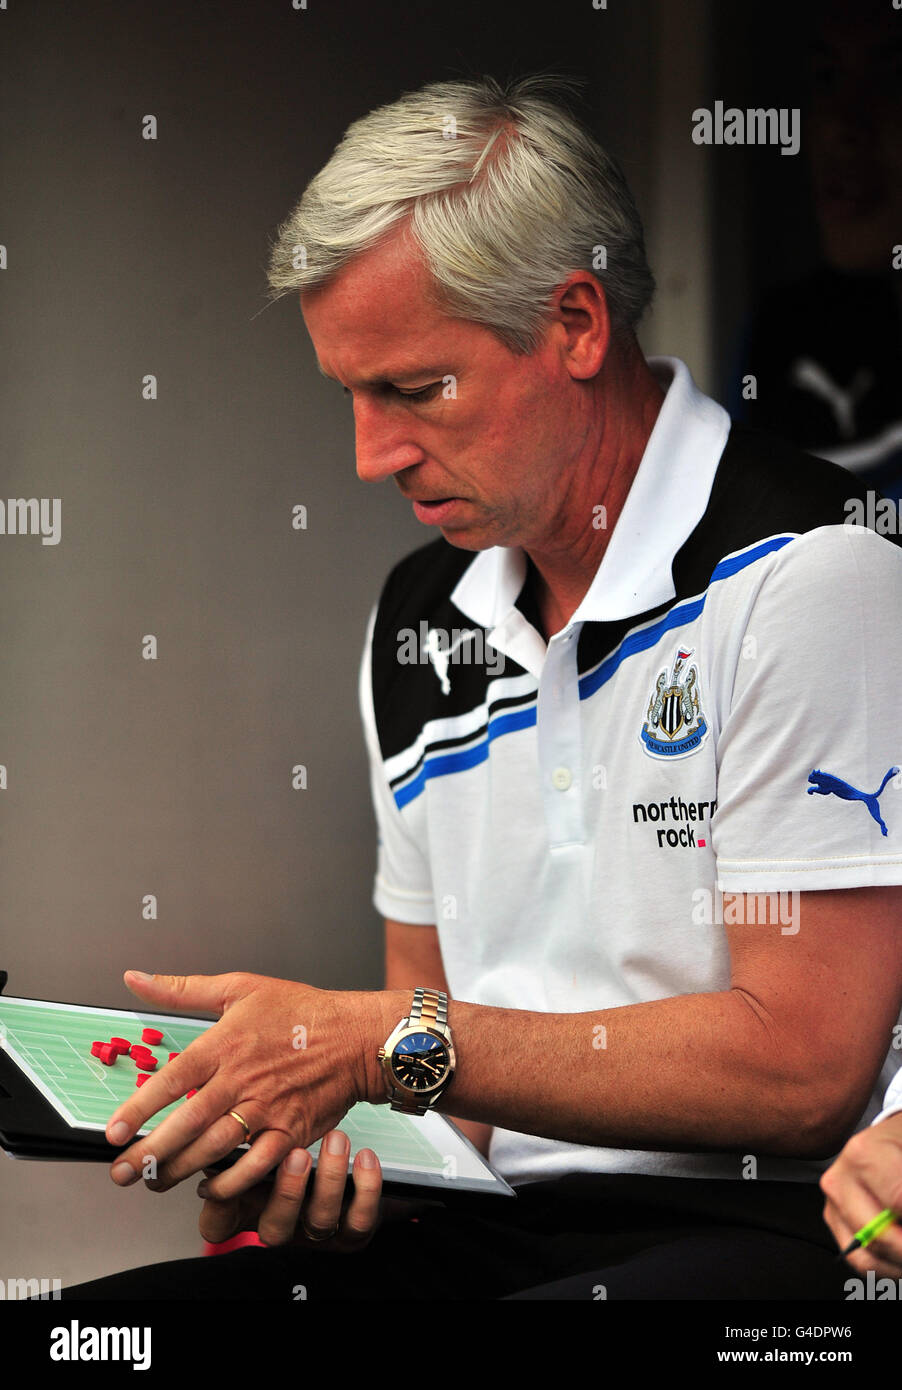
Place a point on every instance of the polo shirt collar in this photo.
(666, 500)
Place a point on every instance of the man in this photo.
(677, 673)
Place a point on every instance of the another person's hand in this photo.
(865, 1179)
(285, 1212)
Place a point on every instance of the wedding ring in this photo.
(244, 1124)
(319, 1235)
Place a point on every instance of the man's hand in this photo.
(280, 1214)
(289, 1058)
(866, 1178)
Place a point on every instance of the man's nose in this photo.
(383, 442)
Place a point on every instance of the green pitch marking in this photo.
(397, 1139)
(52, 1043)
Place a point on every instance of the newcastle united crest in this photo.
(674, 723)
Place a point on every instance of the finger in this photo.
(861, 1261)
(197, 1117)
(852, 1204)
(883, 1262)
(323, 1211)
(887, 1247)
(253, 1167)
(362, 1216)
(279, 1220)
(189, 1071)
(842, 1232)
(874, 1256)
(219, 1221)
(221, 1139)
(205, 992)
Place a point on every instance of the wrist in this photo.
(380, 1011)
(418, 1057)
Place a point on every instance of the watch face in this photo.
(420, 1061)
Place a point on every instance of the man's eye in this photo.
(421, 394)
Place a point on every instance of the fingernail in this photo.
(296, 1162)
(202, 1189)
(141, 975)
(119, 1132)
(367, 1158)
(123, 1174)
(336, 1142)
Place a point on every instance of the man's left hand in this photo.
(289, 1058)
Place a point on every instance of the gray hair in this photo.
(504, 190)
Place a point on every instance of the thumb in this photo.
(205, 992)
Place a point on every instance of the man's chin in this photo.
(467, 537)
(462, 531)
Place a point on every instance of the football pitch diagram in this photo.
(403, 1145)
(52, 1045)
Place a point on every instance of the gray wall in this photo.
(127, 257)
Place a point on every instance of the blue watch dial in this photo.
(420, 1061)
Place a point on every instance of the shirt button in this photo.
(561, 778)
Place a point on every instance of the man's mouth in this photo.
(434, 509)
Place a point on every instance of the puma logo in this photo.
(812, 377)
(440, 656)
(825, 784)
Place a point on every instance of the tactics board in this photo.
(51, 1044)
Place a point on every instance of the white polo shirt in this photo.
(892, 1101)
(718, 715)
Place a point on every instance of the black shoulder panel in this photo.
(407, 696)
(763, 487)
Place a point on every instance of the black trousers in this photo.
(584, 1236)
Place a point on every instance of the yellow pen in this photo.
(870, 1232)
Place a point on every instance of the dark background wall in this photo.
(129, 257)
(764, 232)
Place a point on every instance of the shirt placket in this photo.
(559, 741)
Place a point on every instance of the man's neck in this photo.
(564, 569)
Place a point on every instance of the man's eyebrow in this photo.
(408, 374)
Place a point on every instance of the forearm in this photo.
(695, 1072)
(479, 1134)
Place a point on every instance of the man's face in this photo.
(500, 448)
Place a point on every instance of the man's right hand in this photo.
(283, 1213)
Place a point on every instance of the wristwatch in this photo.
(418, 1057)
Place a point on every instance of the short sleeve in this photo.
(809, 753)
(892, 1101)
(402, 890)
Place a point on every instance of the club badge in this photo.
(674, 724)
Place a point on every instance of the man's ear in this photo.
(580, 310)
